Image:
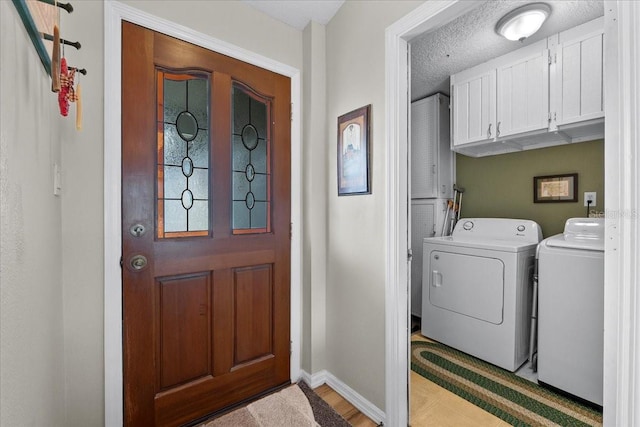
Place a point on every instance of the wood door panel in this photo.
(202, 397)
(184, 335)
(167, 264)
(253, 291)
(206, 321)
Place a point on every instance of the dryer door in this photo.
(466, 284)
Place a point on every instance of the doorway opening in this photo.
(428, 18)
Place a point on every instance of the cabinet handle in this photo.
(433, 169)
(489, 131)
(498, 130)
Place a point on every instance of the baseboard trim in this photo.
(352, 396)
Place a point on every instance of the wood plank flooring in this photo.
(343, 407)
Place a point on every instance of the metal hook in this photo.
(79, 70)
(49, 37)
(65, 6)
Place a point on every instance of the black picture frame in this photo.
(555, 188)
(353, 149)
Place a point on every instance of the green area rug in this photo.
(504, 394)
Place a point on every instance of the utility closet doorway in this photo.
(434, 55)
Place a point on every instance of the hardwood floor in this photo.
(343, 407)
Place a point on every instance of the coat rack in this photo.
(37, 35)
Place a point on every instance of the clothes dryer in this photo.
(477, 290)
(571, 309)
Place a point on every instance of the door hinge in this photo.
(290, 230)
(549, 58)
(409, 254)
(121, 262)
(549, 118)
(291, 111)
(290, 348)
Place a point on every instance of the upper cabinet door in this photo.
(579, 64)
(523, 94)
(474, 107)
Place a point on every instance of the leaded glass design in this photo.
(183, 154)
(251, 173)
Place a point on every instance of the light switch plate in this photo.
(57, 180)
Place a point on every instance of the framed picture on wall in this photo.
(555, 188)
(353, 152)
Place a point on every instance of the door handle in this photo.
(498, 130)
(138, 262)
(436, 279)
(489, 131)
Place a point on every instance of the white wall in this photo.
(31, 339)
(82, 229)
(356, 224)
(315, 198)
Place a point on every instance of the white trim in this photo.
(430, 15)
(115, 13)
(315, 380)
(622, 197)
(350, 395)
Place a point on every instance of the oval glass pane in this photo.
(250, 200)
(250, 172)
(187, 126)
(187, 199)
(187, 167)
(250, 137)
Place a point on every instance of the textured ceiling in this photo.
(298, 13)
(470, 40)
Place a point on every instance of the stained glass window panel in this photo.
(251, 173)
(183, 154)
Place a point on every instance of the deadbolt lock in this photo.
(137, 230)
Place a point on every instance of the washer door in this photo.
(466, 284)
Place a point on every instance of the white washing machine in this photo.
(477, 291)
(571, 309)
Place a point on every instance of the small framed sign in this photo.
(353, 152)
(555, 188)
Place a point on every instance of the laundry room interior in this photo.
(507, 193)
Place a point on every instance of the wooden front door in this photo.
(205, 229)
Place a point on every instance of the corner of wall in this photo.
(314, 201)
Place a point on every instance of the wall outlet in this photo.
(590, 195)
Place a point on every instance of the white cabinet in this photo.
(473, 110)
(432, 171)
(578, 93)
(431, 155)
(523, 93)
(427, 218)
(544, 94)
(501, 98)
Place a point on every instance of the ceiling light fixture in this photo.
(524, 21)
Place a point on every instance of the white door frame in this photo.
(622, 198)
(115, 12)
